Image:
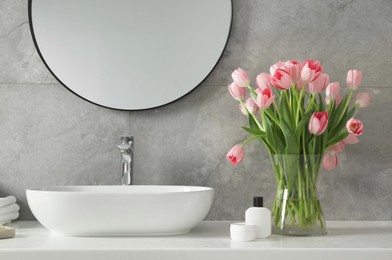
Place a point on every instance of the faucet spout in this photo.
(126, 149)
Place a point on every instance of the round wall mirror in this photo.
(130, 54)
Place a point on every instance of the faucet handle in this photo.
(126, 143)
(126, 138)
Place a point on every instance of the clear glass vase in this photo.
(296, 210)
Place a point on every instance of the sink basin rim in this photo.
(121, 189)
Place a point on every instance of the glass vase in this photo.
(297, 210)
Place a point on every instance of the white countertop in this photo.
(209, 240)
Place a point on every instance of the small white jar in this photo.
(242, 232)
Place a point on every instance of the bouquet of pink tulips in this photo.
(304, 122)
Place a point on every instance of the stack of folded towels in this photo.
(9, 210)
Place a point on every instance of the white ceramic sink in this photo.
(138, 210)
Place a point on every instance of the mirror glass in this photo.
(130, 54)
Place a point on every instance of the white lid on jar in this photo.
(242, 232)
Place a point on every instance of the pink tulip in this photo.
(300, 84)
(258, 91)
(354, 126)
(237, 92)
(338, 147)
(263, 80)
(330, 160)
(235, 154)
(242, 109)
(318, 123)
(319, 84)
(281, 79)
(265, 98)
(354, 78)
(279, 65)
(250, 106)
(338, 100)
(351, 139)
(332, 91)
(240, 77)
(362, 99)
(294, 68)
(310, 70)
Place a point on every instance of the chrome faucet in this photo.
(126, 149)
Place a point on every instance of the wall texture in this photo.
(48, 136)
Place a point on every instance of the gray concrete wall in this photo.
(48, 136)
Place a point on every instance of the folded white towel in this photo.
(9, 208)
(7, 200)
(4, 222)
(7, 218)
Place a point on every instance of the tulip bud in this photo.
(250, 106)
(319, 84)
(351, 139)
(332, 91)
(242, 109)
(362, 99)
(237, 92)
(330, 160)
(354, 78)
(318, 123)
(300, 84)
(338, 147)
(235, 154)
(338, 100)
(258, 91)
(263, 80)
(240, 77)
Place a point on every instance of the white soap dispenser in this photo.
(259, 216)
